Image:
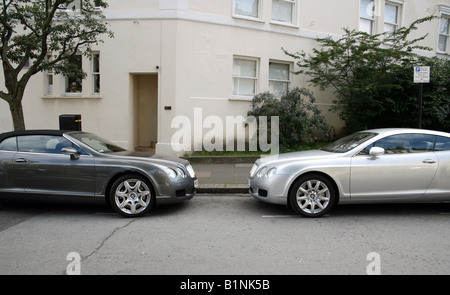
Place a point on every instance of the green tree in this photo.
(33, 30)
(436, 97)
(371, 75)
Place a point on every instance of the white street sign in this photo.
(421, 74)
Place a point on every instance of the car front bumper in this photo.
(178, 192)
(271, 190)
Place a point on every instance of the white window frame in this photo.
(95, 74)
(97, 6)
(444, 13)
(399, 20)
(294, 16)
(248, 17)
(288, 81)
(49, 80)
(372, 20)
(75, 6)
(255, 79)
(72, 7)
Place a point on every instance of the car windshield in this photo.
(349, 142)
(97, 143)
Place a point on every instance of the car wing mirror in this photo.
(376, 152)
(74, 155)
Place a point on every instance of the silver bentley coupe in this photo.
(53, 164)
(372, 166)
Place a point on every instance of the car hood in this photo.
(155, 158)
(297, 156)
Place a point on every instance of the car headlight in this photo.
(175, 172)
(181, 172)
(171, 172)
(190, 170)
(253, 170)
(261, 172)
(266, 172)
(271, 172)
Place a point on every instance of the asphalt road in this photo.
(225, 235)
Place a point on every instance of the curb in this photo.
(222, 188)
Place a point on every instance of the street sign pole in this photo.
(420, 105)
(421, 76)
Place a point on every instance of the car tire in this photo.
(132, 196)
(312, 195)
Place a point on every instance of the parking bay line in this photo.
(279, 216)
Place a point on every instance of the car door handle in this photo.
(21, 160)
(428, 161)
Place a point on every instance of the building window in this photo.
(391, 17)
(73, 82)
(97, 4)
(283, 11)
(279, 78)
(245, 73)
(367, 16)
(96, 73)
(246, 8)
(76, 6)
(444, 33)
(49, 79)
(70, 6)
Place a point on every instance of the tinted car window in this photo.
(442, 144)
(42, 144)
(97, 143)
(349, 142)
(404, 143)
(9, 144)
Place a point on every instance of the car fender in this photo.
(107, 173)
(338, 173)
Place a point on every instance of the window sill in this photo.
(283, 24)
(243, 17)
(72, 96)
(443, 53)
(241, 98)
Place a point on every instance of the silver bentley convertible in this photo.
(43, 164)
(372, 166)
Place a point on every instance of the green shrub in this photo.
(300, 120)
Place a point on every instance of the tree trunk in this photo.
(17, 115)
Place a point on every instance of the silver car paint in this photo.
(291, 166)
(359, 178)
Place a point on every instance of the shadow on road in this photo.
(12, 213)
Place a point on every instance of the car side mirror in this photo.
(376, 152)
(74, 155)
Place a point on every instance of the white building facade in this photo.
(173, 58)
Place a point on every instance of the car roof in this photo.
(392, 131)
(32, 132)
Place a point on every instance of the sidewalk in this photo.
(223, 177)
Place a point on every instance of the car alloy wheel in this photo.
(312, 196)
(131, 196)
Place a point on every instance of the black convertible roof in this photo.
(32, 132)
